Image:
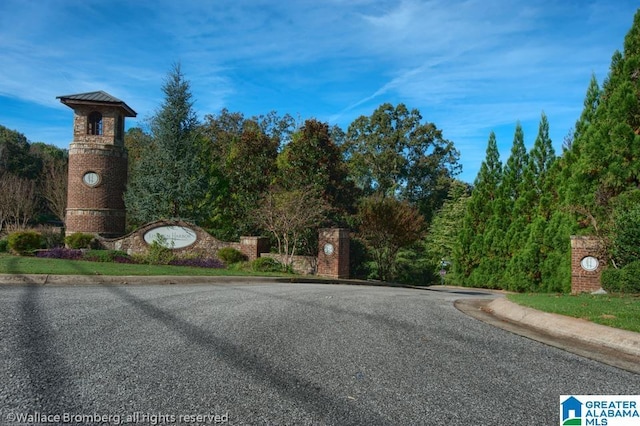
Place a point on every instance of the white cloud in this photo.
(468, 65)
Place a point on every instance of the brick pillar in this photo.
(586, 264)
(333, 253)
(253, 246)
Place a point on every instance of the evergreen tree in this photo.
(166, 181)
(532, 209)
(475, 238)
(15, 157)
(605, 162)
(442, 240)
(514, 169)
(541, 161)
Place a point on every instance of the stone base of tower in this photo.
(108, 223)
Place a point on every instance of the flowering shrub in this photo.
(60, 253)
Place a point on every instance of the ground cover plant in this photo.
(619, 311)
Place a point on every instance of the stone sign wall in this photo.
(182, 237)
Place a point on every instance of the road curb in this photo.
(46, 279)
(567, 327)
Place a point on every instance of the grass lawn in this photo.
(619, 311)
(10, 264)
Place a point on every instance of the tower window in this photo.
(95, 123)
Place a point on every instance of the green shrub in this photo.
(610, 280)
(52, 237)
(24, 242)
(626, 235)
(230, 255)
(104, 255)
(159, 252)
(79, 240)
(4, 245)
(267, 264)
(624, 280)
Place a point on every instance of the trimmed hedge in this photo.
(623, 280)
(24, 242)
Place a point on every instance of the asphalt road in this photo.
(275, 354)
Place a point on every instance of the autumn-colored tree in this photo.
(386, 225)
(313, 160)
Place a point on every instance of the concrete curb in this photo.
(45, 279)
(567, 327)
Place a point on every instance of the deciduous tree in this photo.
(392, 153)
(313, 160)
(288, 215)
(386, 225)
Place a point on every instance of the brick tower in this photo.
(97, 164)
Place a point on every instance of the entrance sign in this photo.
(173, 237)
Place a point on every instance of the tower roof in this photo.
(96, 98)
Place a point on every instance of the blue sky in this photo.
(470, 67)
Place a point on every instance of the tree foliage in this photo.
(240, 158)
(165, 181)
(386, 225)
(442, 242)
(15, 156)
(391, 153)
(313, 161)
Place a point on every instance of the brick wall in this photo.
(335, 265)
(581, 279)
